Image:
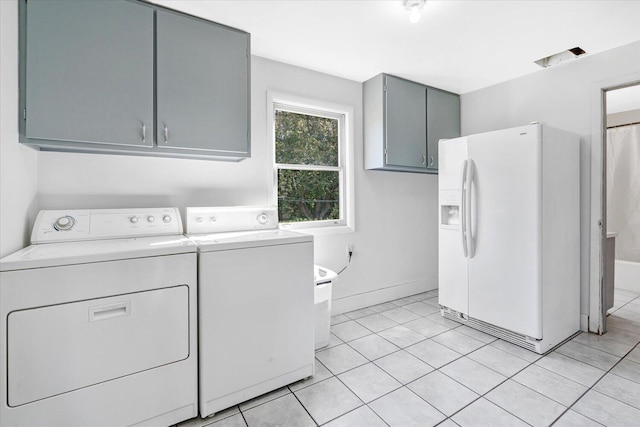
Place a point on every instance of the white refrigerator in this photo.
(509, 237)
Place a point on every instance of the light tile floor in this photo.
(402, 364)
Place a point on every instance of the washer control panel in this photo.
(231, 218)
(95, 224)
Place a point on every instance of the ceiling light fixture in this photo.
(414, 7)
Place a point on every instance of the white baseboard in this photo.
(379, 296)
(627, 275)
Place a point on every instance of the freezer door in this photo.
(504, 212)
(453, 275)
(451, 156)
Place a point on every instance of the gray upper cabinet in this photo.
(403, 122)
(87, 69)
(203, 95)
(443, 121)
(129, 77)
(405, 125)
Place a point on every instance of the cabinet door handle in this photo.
(424, 160)
(144, 133)
(166, 134)
(431, 160)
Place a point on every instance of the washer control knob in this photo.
(166, 219)
(64, 223)
(263, 218)
(213, 219)
(134, 219)
(199, 220)
(151, 218)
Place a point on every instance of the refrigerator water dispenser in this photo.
(450, 215)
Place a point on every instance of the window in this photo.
(310, 165)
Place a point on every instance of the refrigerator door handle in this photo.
(471, 169)
(463, 208)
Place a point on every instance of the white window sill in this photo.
(321, 231)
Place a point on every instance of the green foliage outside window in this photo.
(307, 195)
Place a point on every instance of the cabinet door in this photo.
(202, 86)
(443, 121)
(87, 72)
(405, 124)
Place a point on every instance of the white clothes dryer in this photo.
(99, 320)
(256, 304)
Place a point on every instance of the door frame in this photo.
(598, 215)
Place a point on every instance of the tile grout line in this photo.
(507, 377)
(618, 342)
(246, 423)
(623, 305)
(594, 384)
(304, 407)
(480, 396)
(568, 407)
(396, 379)
(438, 369)
(355, 409)
(454, 360)
(452, 328)
(458, 358)
(373, 362)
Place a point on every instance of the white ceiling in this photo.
(458, 45)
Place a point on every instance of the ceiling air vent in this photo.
(559, 58)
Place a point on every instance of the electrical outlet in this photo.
(349, 250)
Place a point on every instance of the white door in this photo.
(504, 263)
(453, 274)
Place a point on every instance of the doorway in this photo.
(619, 240)
(621, 204)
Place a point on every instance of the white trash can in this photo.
(322, 299)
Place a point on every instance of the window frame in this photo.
(344, 115)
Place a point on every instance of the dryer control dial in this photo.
(166, 219)
(134, 219)
(151, 218)
(64, 223)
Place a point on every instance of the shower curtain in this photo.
(623, 190)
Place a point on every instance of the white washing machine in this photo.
(256, 309)
(99, 320)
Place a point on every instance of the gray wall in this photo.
(561, 97)
(396, 213)
(18, 165)
(395, 242)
